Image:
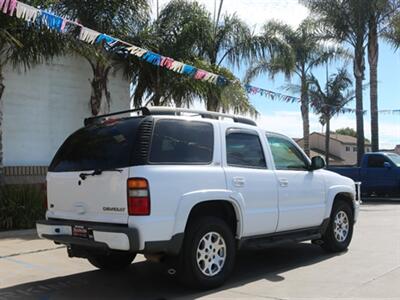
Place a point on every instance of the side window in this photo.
(286, 155)
(182, 142)
(376, 161)
(244, 150)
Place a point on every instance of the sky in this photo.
(286, 118)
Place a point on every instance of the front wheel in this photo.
(208, 254)
(339, 233)
(112, 261)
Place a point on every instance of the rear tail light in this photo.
(138, 197)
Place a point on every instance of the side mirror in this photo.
(387, 165)
(317, 162)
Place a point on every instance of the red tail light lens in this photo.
(138, 197)
(139, 206)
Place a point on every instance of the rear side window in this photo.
(99, 146)
(244, 150)
(376, 161)
(182, 142)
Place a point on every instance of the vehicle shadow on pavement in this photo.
(146, 280)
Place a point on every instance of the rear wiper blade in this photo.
(96, 172)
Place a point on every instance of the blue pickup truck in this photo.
(379, 174)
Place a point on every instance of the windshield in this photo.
(395, 158)
(97, 147)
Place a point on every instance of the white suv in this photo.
(191, 188)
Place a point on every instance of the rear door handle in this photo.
(239, 181)
(283, 182)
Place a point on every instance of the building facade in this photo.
(44, 105)
(343, 148)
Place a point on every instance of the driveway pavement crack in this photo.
(259, 296)
(31, 252)
(372, 280)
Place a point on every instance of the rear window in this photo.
(182, 142)
(99, 146)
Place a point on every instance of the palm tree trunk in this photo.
(212, 101)
(99, 86)
(211, 106)
(327, 139)
(157, 98)
(359, 68)
(305, 114)
(2, 87)
(373, 53)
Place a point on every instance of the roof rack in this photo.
(88, 121)
(160, 110)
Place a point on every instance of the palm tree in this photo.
(176, 33)
(381, 13)
(183, 31)
(347, 21)
(23, 46)
(330, 101)
(305, 52)
(117, 18)
(230, 41)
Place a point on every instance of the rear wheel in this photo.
(208, 254)
(112, 261)
(340, 229)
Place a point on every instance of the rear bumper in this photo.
(105, 236)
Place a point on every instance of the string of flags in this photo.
(253, 90)
(60, 24)
(389, 111)
(34, 15)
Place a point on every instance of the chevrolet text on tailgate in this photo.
(189, 188)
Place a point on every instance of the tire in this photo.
(208, 254)
(339, 232)
(113, 261)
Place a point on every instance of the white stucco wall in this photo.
(47, 103)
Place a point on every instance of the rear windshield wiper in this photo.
(96, 172)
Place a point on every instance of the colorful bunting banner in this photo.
(253, 90)
(389, 112)
(30, 14)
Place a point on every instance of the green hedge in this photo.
(21, 206)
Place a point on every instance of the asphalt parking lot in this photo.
(37, 269)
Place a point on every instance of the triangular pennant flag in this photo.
(88, 35)
(139, 52)
(26, 12)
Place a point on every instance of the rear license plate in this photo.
(80, 231)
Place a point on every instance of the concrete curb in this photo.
(17, 233)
